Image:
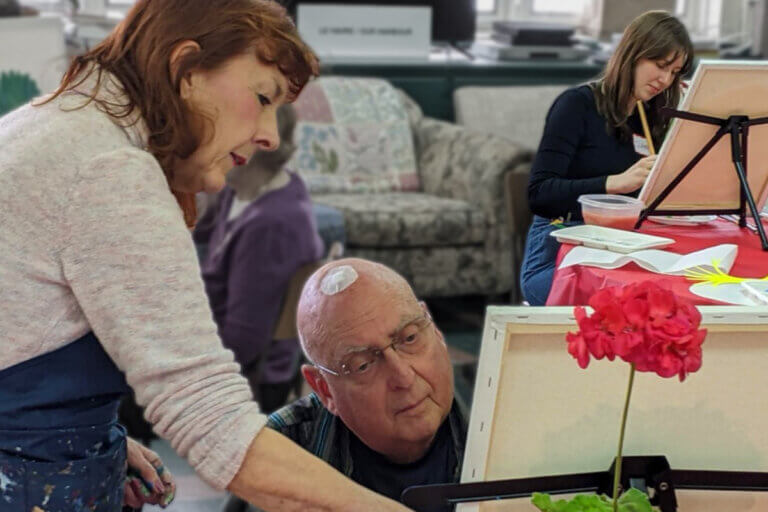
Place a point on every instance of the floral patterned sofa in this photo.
(423, 196)
(516, 113)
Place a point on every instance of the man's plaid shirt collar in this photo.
(308, 423)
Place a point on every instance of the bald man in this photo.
(382, 409)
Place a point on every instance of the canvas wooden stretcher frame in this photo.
(536, 413)
(719, 89)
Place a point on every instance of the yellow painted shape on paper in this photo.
(717, 277)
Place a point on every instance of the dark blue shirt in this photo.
(576, 155)
(310, 425)
(373, 471)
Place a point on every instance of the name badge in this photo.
(641, 145)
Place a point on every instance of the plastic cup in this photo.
(611, 210)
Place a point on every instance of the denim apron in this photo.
(61, 449)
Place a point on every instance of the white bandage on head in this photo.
(338, 279)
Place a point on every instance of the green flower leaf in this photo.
(634, 501)
(579, 503)
(543, 502)
(631, 501)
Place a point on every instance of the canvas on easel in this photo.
(719, 89)
(536, 413)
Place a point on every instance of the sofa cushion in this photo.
(443, 271)
(407, 219)
(415, 115)
(516, 112)
(330, 225)
(353, 135)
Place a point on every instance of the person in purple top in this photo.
(259, 233)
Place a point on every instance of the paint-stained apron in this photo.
(61, 449)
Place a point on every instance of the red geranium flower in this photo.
(644, 325)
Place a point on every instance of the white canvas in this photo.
(536, 413)
(718, 89)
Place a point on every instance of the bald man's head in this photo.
(379, 362)
(340, 291)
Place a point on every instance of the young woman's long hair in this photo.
(138, 52)
(654, 35)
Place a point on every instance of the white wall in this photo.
(34, 45)
(612, 16)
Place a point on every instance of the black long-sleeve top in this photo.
(576, 155)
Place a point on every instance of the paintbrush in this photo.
(646, 130)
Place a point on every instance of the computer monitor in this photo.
(452, 20)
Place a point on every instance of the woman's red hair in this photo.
(138, 53)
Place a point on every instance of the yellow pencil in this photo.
(646, 130)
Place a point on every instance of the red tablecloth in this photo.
(574, 285)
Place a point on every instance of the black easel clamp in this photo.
(738, 129)
(650, 474)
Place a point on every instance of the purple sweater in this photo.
(250, 261)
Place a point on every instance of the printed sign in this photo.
(366, 31)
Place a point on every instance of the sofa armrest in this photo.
(516, 187)
(518, 218)
(463, 164)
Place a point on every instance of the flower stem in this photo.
(617, 470)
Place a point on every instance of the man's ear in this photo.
(181, 50)
(434, 325)
(318, 384)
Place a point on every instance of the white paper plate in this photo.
(617, 240)
(682, 220)
(756, 291)
(730, 293)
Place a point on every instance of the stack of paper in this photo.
(653, 260)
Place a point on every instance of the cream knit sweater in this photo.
(91, 238)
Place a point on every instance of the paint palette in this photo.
(682, 220)
(617, 240)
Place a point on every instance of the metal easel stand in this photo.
(650, 474)
(738, 128)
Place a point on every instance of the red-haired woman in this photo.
(99, 280)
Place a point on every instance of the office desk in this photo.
(574, 285)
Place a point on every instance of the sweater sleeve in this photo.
(551, 191)
(130, 262)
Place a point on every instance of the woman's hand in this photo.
(631, 179)
(148, 481)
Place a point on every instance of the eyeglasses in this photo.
(412, 340)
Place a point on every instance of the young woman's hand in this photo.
(631, 179)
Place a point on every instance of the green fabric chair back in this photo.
(16, 89)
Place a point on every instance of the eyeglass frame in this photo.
(378, 352)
